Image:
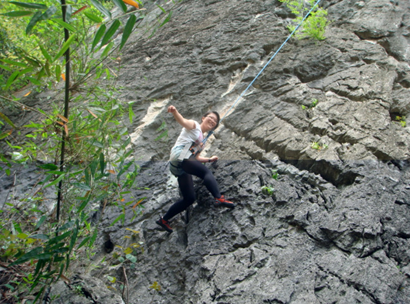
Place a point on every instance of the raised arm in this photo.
(186, 123)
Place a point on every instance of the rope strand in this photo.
(260, 72)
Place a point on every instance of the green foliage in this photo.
(98, 171)
(314, 26)
(46, 49)
(36, 59)
(268, 190)
(401, 120)
(318, 146)
(163, 130)
(98, 168)
(312, 104)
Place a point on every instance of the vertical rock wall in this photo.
(335, 229)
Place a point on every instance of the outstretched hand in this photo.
(171, 109)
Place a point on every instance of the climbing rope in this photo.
(260, 72)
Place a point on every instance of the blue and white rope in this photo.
(260, 72)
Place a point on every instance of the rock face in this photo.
(309, 242)
(336, 227)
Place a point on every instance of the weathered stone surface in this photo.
(83, 289)
(311, 242)
(336, 228)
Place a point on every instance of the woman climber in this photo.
(185, 161)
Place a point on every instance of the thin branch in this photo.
(22, 105)
(126, 282)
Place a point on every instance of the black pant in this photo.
(191, 167)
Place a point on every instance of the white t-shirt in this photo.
(186, 137)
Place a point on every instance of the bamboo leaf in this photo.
(93, 17)
(126, 143)
(16, 63)
(11, 79)
(25, 71)
(57, 180)
(162, 9)
(107, 49)
(120, 5)
(111, 31)
(102, 163)
(128, 30)
(101, 8)
(40, 222)
(58, 73)
(34, 81)
(166, 19)
(5, 134)
(137, 203)
(62, 118)
(18, 13)
(57, 239)
(32, 61)
(162, 135)
(93, 167)
(5, 68)
(82, 186)
(83, 205)
(33, 254)
(67, 225)
(83, 242)
(98, 36)
(73, 237)
(40, 237)
(47, 68)
(7, 120)
(45, 53)
(131, 114)
(65, 25)
(79, 10)
(64, 48)
(93, 238)
(48, 13)
(120, 217)
(132, 3)
(48, 166)
(33, 22)
(30, 5)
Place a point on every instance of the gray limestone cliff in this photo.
(336, 227)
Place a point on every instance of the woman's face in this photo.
(210, 121)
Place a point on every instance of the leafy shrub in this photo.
(314, 26)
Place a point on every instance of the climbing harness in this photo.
(260, 72)
(189, 150)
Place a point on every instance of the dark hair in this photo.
(218, 118)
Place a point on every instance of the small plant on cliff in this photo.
(268, 190)
(314, 26)
(401, 120)
(312, 104)
(275, 174)
(318, 146)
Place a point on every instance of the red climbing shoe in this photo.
(222, 202)
(164, 224)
